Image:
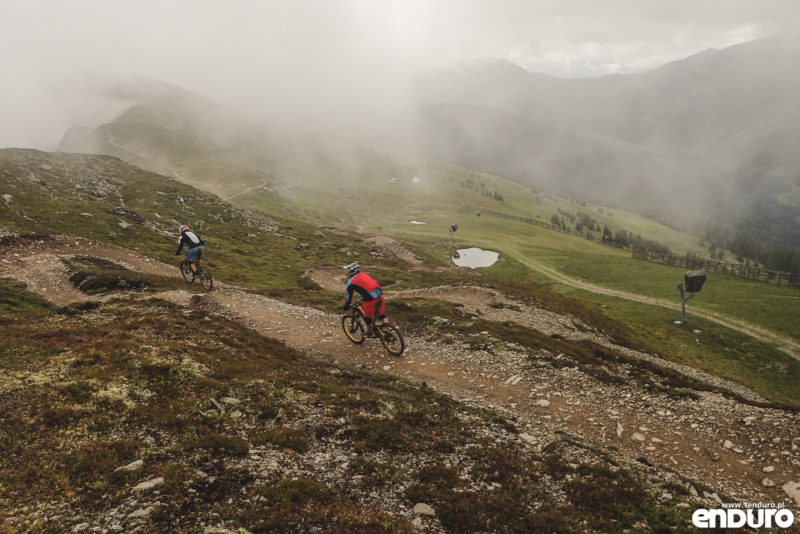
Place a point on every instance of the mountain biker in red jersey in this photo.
(370, 291)
(196, 248)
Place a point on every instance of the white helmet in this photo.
(353, 269)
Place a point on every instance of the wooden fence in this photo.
(780, 278)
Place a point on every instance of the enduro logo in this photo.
(736, 517)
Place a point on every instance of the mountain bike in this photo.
(203, 274)
(355, 328)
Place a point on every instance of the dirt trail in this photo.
(37, 263)
(730, 446)
(491, 305)
(784, 343)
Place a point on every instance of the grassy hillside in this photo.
(757, 303)
(383, 192)
(106, 199)
(119, 415)
(441, 199)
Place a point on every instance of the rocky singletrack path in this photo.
(37, 263)
(742, 451)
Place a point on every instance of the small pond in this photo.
(475, 257)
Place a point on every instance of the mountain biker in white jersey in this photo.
(196, 248)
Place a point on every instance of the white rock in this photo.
(141, 512)
(767, 483)
(768, 469)
(423, 509)
(637, 436)
(133, 466)
(150, 484)
(230, 400)
(620, 429)
(543, 403)
(528, 438)
(792, 489)
(728, 444)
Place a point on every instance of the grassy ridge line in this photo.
(762, 334)
(107, 200)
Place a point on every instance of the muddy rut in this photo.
(742, 451)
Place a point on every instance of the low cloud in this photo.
(337, 63)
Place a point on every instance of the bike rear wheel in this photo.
(353, 329)
(205, 279)
(392, 339)
(186, 271)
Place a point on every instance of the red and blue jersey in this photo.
(364, 285)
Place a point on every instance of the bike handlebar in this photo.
(355, 304)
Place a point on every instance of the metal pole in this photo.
(683, 304)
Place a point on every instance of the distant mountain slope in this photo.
(702, 138)
(179, 134)
(320, 178)
(703, 145)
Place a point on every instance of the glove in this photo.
(177, 253)
(345, 307)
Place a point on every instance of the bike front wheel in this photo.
(186, 271)
(206, 280)
(392, 339)
(353, 329)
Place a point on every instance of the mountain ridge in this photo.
(666, 118)
(701, 153)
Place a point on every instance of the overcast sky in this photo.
(304, 51)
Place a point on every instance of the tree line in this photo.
(584, 223)
(745, 247)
